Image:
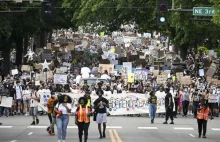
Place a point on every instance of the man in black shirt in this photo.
(100, 106)
(169, 106)
(12, 93)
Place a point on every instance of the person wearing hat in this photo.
(169, 106)
(152, 105)
(100, 105)
(82, 118)
(203, 112)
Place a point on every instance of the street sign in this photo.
(203, 11)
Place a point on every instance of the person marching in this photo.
(100, 106)
(169, 106)
(62, 109)
(82, 118)
(203, 112)
(89, 100)
(152, 105)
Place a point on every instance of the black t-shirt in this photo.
(101, 108)
(167, 100)
(12, 92)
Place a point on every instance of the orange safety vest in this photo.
(82, 115)
(203, 114)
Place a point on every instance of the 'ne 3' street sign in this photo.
(203, 11)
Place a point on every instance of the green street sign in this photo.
(203, 11)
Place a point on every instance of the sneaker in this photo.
(172, 122)
(104, 135)
(199, 136)
(152, 122)
(33, 123)
(204, 136)
(165, 122)
(100, 137)
(37, 121)
(0, 123)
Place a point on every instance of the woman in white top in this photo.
(26, 99)
(63, 108)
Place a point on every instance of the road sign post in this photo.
(203, 11)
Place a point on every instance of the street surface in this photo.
(120, 129)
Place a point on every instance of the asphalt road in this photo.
(120, 129)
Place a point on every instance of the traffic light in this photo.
(48, 11)
(162, 12)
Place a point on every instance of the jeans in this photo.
(195, 107)
(3, 111)
(185, 107)
(62, 123)
(152, 110)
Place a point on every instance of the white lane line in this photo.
(148, 128)
(72, 127)
(14, 141)
(5, 127)
(182, 128)
(192, 135)
(30, 133)
(113, 127)
(37, 127)
(216, 129)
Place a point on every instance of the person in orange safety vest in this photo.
(202, 117)
(82, 119)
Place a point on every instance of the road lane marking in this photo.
(113, 127)
(192, 135)
(112, 136)
(30, 133)
(148, 128)
(38, 127)
(216, 129)
(14, 141)
(72, 127)
(117, 136)
(1, 127)
(183, 128)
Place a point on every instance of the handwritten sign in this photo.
(60, 78)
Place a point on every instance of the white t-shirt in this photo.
(18, 92)
(105, 76)
(62, 108)
(78, 78)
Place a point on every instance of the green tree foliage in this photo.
(216, 5)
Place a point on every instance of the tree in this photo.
(216, 5)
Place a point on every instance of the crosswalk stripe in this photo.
(5, 127)
(216, 129)
(148, 128)
(183, 128)
(113, 127)
(38, 127)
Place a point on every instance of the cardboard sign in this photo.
(108, 67)
(40, 77)
(211, 70)
(130, 77)
(14, 71)
(49, 46)
(185, 80)
(26, 68)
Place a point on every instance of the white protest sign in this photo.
(213, 98)
(40, 77)
(60, 78)
(14, 71)
(6, 102)
(65, 64)
(128, 67)
(123, 104)
(44, 96)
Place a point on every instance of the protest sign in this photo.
(108, 67)
(40, 77)
(60, 78)
(26, 68)
(213, 98)
(128, 67)
(211, 70)
(185, 80)
(6, 102)
(161, 79)
(201, 72)
(130, 77)
(65, 64)
(141, 74)
(44, 96)
(123, 104)
(14, 71)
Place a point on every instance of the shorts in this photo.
(26, 102)
(101, 118)
(33, 111)
(18, 101)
